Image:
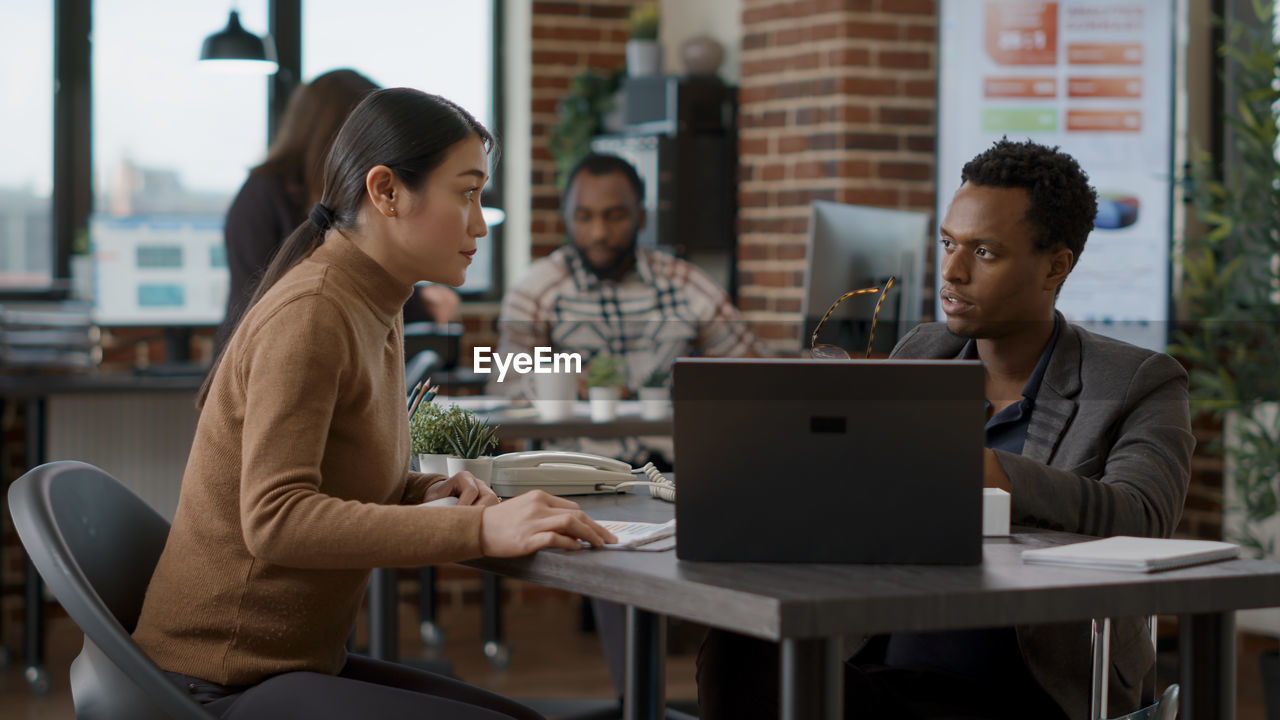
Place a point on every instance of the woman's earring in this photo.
(392, 210)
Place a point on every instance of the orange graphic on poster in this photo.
(1104, 87)
(1104, 54)
(1022, 33)
(1104, 121)
(1020, 87)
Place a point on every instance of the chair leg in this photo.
(1101, 667)
(428, 623)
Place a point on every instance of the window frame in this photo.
(72, 88)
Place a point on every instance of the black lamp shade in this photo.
(236, 43)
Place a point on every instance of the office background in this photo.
(836, 101)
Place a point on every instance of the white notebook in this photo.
(1135, 554)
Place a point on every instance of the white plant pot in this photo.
(1265, 621)
(554, 394)
(655, 403)
(481, 467)
(644, 57)
(604, 403)
(433, 463)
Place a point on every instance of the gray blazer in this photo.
(1108, 452)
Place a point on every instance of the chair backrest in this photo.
(96, 545)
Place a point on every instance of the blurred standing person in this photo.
(277, 194)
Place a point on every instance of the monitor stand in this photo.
(177, 353)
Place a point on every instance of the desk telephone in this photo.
(573, 473)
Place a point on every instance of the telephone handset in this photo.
(573, 473)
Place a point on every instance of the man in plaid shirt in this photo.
(602, 293)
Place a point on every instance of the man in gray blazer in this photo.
(1088, 434)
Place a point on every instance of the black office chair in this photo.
(96, 544)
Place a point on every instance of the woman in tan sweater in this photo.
(298, 480)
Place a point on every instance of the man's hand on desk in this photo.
(535, 520)
(466, 487)
(992, 473)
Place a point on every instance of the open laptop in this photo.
(848, 461)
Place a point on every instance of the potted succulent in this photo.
(655, 397)
(606, 376)
(644, 53)
(429, 430)
(1230, 337)
(471, 440)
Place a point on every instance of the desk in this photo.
(516, 424)
(806, 607)
(33, 391)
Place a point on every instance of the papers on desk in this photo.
(649, 537)
(474, 403)
(1134, 554)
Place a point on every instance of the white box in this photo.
(995, 512)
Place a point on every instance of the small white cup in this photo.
(554, 394)
(655, 403)
(603, 403)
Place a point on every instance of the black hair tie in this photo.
(321, 216)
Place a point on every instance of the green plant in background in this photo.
(430, 428)
(657, 377)
(579, 113)
(1231, 283)
(471, 436)
(643, 22)
(605, 370)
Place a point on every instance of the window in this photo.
(26, 144)
(170, 137)
(442, 47)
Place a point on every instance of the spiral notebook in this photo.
(1133, 554)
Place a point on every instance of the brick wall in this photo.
(568, 38)
(836, 103)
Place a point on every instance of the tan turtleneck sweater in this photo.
(298, 483)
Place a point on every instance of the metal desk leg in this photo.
(491, 596)
(33, 614)
(383, 615)
(644, 693)
(811, 680)
(1207, 666)
(428, 624)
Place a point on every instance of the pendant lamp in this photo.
(237, 50)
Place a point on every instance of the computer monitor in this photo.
(166, 271)
(853, 247)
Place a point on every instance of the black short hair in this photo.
(1062, 205)
(599, 164)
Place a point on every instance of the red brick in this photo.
(910, 7)
(858, 85)
(788, 305)
(920, 88)
(855, 169)
(597, 10)
(772, 118)
(754, 41)
(854, 114)
(905, 59)
(921, 33)
(793, 143)
(776, 331)
(753, 146)
(879, 197)
(812, 116)
(814, 169)
(849, 57)
(556, 8)
(773, 172)
(870, 141)
(749, 304)
(874, 30)
(609, 61)
(560, 32)
(542, 81)
(753, 199)
(550, 57)
(791, 251)
(772, 278)
(905, 171)
(906, 116)
(824, 141)
(920, 143)
(792, 198)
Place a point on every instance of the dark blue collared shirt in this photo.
(989, 653)
(1007, 429)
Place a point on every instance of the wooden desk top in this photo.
(773, 601)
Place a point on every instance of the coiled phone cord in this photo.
(659, 486)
